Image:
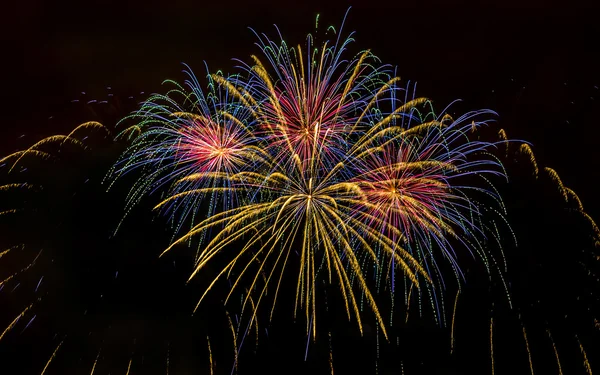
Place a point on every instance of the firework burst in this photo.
(321, 161)
(189, 133)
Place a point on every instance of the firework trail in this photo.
(48, 193)
(555, 353)
(34, 198)
(544, 304)
(51, 357)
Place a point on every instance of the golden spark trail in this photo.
(592, 222)
(51, 358)
(85, 125)
(408, 302)
(33, 149)
(502, 134)
(13, 186)
(528, 351)
(586, 363)
(95, 362)
(574, 197)
(11, 211)
(325, 168)
(3, 253)
(526, 149)
(129, 366)
(554, 177)
(453, 318)
(22, 270)
(14, 322)
(210, 355)
(235, 349)
(555, 353)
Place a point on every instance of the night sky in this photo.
(536, 65)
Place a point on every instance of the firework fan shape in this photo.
(190, 132)
(322, 163)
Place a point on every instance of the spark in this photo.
(330, 354)
(129, 366)
(299, 150)
(235, 348)
(492, 343)
(51, 358)
(95, 362)
(586, 363)
(561, 188)
(210, 355)
(555, 353)
(592, 222)
(15, 320)
(574, 197)
(38, 284)
(528, 351)
(453, 318)
(526, 149)
(29, 323)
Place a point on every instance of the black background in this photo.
(535, 64)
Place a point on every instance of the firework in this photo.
(29, 262)
(318, 160)
(189, 135)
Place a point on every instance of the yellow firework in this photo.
(526, 149)
(353, 177)
(343, 220)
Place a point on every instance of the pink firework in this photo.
(211, 146)
(310, 99)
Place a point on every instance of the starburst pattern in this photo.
(321, 161)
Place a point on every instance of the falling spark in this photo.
(96, 361)
(2, 253)
(234, 342)
(586, 363)
(502, 134)
(330, 355)
(51, 358)
(14, 186)
(38, 284)
(452, 326)
(28, 324)
(592, 222)
(504, 137)
(528, 351)
(14, 322)
(525, 149)
(572, 196)
(555, 353)
(129, 366)
(210, 355)
(408, 302)
(492, 342)
(554, 176)
(321, 168)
